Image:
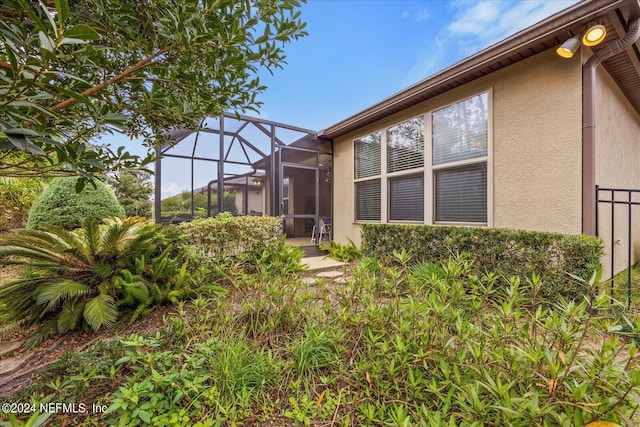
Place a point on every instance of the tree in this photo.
(133, 190)
(69, 72)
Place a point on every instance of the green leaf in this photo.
(45, 42)
(82, 32)
(69, 40)
(145, 416)
(62, 7)
(100, 311)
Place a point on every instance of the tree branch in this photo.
(5, 66)
(97, 88)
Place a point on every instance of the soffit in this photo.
(624, 67)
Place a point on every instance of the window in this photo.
(367, 156)
(406, 198)
(461, 194)
(367, 168)
(405, 155)
(405, 145)
(397, 176)
(368, 200)
(460, 140)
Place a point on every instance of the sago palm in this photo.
(68, 274)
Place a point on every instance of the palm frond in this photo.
(121, 234)
(51, 294)
(70, 317)
(93, 241)
(100, 311)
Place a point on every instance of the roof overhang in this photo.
(547, 34)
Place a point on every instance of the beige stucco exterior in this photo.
(535, 147)
(617, 166)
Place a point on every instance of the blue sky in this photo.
(359, 52)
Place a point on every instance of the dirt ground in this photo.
(51, 350)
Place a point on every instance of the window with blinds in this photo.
(460, 130)
(367, 156)
(405, 145)
(393, 165)
(460, 141)
(461, 194)
(368, 206)
(367, 171)
(406, 198)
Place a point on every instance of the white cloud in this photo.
(419, 15)
(476, 25)
(482, 23)
(428, 61)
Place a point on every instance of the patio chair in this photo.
(326, 230)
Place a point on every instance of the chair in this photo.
(326, 230)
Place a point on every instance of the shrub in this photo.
(503, 251)
(62, 206)
(345, 253)
(16, 197)
(277, 260)
(82, 278)
(226, 235)
(469, 350)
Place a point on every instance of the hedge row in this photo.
(228, 235)
(504, 251)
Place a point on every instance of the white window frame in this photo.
(429, 170)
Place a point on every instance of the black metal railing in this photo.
(616, 196)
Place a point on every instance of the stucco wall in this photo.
(617, 166)
(536, 147)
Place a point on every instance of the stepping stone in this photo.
(9, 347)
(319, 263)
(330, 274)
(12, 364)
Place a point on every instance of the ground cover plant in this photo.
(393, 343)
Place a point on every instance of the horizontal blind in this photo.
(460, 130)
(367, 156)
(461, 194)
(368, 200)
(406, 198)
(405, 145)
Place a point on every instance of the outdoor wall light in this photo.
(569, 48)
(594, 35)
